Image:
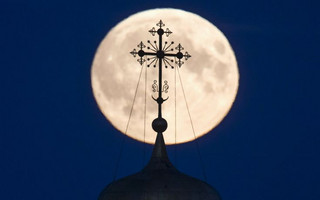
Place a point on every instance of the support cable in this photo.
(145, 113)
(197, 143)
(127, 126)
(175, 114)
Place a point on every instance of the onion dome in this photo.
(159, 180)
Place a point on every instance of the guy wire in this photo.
(175, 114)
(145, 112)
(197, 143)
(125, 133)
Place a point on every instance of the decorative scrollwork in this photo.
(155, 87)
(165, 87)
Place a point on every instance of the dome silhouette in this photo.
(159, 180)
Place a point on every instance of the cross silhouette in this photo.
(160, 54)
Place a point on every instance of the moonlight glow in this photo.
(210, 78)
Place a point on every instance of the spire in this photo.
(159, 150)
(159, 159)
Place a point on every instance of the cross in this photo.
(161, 54)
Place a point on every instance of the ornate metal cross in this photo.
(162, 54)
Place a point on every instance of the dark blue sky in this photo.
(55, 143)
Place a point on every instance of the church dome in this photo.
(159, 180)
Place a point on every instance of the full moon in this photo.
(209, 78)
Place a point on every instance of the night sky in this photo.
(56, 144)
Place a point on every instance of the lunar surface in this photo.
(209, 78)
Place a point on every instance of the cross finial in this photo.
(160, 53)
